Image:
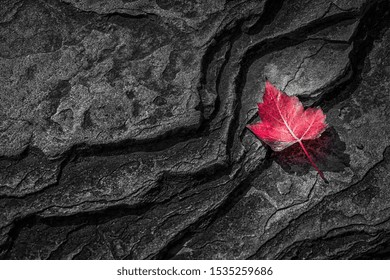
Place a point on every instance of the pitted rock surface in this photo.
(123, 129)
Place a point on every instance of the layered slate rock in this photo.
(122, 129)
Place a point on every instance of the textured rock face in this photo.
(122, 129)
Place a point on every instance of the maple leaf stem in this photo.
(312, 162)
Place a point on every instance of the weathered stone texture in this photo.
(123, 129)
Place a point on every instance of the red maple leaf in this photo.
(285, 122)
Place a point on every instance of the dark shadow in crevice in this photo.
(327, 151)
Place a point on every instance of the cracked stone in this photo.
(123, 129)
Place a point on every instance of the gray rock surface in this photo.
(123, 129)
